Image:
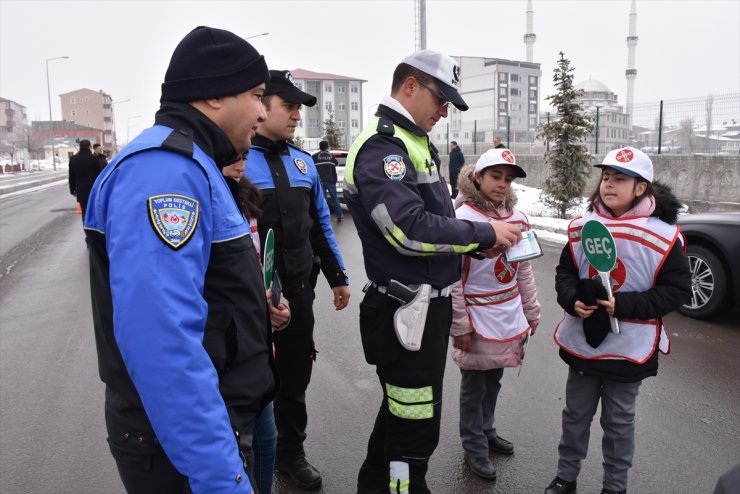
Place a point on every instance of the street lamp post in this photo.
(128, 127)
(51, 121)
(113, 112)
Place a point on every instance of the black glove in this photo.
(595, 327)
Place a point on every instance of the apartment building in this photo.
(504, 99)
(92, 109)
(14, 130)
(336, 94)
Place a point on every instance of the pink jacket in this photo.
(485, 354)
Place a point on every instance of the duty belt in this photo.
(435, 292)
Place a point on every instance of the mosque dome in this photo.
(592, 86)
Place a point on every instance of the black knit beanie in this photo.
(211, 63)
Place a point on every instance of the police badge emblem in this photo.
(301, 165)
(174, 218)
(394, 167)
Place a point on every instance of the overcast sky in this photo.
(685, 49)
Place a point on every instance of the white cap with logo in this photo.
(445, 71)
(630, 161)
(497, 157)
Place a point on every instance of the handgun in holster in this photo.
(410, 319)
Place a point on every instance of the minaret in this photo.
(631, 72)
(530, 37)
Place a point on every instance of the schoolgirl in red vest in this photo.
(651, 279)
(495, 308)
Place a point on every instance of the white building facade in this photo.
(503, 96)
(338, 95)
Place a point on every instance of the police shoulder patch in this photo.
(301, 165)
(394, 167)
(174, 218)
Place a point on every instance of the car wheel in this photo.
(709, 288)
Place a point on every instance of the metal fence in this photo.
(703, 125)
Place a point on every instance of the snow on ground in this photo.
(542, 218)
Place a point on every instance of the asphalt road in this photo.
(52, 436)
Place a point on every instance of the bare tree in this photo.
(709, 107)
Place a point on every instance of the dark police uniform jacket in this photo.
(181, 322)
(402, 208)
(326, 165)
(293, 205)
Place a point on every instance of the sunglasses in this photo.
(442, 100)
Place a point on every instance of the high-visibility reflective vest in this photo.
(642, 245)
(490, 288)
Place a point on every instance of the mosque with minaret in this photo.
(504, 98)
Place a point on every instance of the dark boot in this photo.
(501, 446)
(481, 466)
(560, 486)
(300, 471)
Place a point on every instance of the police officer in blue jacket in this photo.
(293, 205)
(181, 322)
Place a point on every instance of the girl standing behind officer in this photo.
(651, 279)
(495, 309)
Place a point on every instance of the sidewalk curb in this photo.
(15, 188)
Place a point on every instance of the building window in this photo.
(327, 88)
(514, 77)
(533, 94)
(328, 106)
(355, 106)
(313, 123)
(355, 123)
(532, 108)
(503, 76)
(502, 91)
(85, 99)
(341, 106)
(514, 92)
(341, 88)
(299, 124)
(73, 100)
(353, 88)
(342, 124)
(533, 80)
(502, 122)
(74, 113)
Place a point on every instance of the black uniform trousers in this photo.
(294, 356)
(396, 439)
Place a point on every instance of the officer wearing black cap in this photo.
(181, 322)
(410, 241)
(294, 207)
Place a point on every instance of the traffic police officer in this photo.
(293, 206)
(406, 222)
(181, 321)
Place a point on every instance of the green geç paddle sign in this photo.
(601, 252)
(268, 259)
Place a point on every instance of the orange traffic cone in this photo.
(78, 209)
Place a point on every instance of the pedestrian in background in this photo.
(326, 165)
(410, 243)
(650, 280)
(98, 151)
(181, 319)
(495, 309)
(457, 161)
(294, 207)
(84, 168)
(497, 143)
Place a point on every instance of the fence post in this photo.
(508, 132)
(546, 139)
(475, 137)
(448, 138)
(596, 151)
(660, 127)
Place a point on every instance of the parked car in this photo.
(341, 157)
(713, 248)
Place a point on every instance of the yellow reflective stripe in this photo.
(464, 249)
(411, 412)
(409, 395)
(399, 487)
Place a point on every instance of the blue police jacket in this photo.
(294, 206)
(181, 322)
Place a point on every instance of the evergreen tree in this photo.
(569, 160)
(332, 133)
